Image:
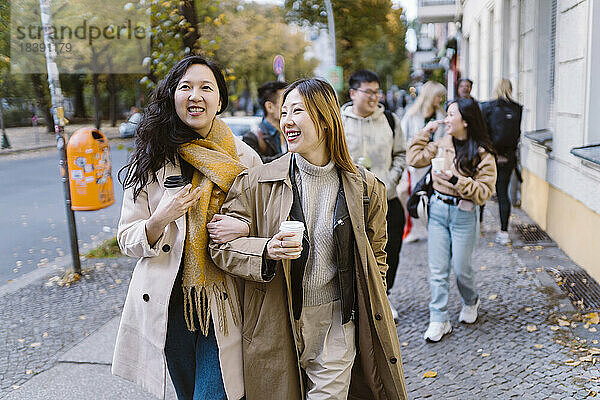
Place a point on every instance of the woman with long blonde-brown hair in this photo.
(427, 107)
(313, 308)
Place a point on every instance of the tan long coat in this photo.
(262, 197)
(139, 351)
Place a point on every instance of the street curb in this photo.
(17, 151)
(33, 276)
(6, 152)
(60, 264)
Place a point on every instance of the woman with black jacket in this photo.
(503, 118)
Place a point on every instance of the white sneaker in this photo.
(468, 314)
(394, 313)
(436, 330)
(502, 238)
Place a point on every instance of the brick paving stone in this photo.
(57, 317)
(515, 367)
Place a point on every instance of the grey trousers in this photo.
(327, 350)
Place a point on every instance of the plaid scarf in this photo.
(216, 165)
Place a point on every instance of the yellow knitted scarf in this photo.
(216, 165)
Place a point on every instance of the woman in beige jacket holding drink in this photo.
(317, 322)
(462, 181)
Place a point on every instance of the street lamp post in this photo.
(59, 125)
(331, 29)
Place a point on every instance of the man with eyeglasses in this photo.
(376, 142)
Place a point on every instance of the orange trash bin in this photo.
(88, 158)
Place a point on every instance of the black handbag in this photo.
(418, 202)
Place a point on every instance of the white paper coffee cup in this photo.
(437, 164)
(295, 227)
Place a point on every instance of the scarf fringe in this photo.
(198, 300)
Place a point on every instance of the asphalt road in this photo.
(33, 223)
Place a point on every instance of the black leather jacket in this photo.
(343, 237)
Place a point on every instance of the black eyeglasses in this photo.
(371, 93)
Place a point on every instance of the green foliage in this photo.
(250, 38)
(369, 34)
(177, 27)
(110, 249)
(4, 41)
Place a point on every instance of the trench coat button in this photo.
(378, 317)
(166, 248)
(146, 297)
(224, 295)
(393, 360)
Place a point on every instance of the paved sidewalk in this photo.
(36, 138)
(59, 340)
(497, 357)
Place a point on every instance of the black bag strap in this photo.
(366, 199)
(391, 121)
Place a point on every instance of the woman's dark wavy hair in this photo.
(161, 131)
(467, 158)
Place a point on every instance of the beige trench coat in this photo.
(139, 351)
(262, 197)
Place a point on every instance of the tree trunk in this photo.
(42, 100)
(190, 38)
(79, 99)
(97, 108)
(112, 104)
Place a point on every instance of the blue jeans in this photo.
(192, 358)
(453, 234)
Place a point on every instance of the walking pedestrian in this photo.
(464, 183)
(375, 141)
(427, 107)
(268, 141)
(181, 313)
(317, 322)
(463, 90)
(503, 118)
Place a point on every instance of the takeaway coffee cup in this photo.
(295, 227)
(437, 164)
(174, 183)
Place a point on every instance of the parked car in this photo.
(127, 129)
(239, 125)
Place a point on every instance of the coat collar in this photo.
(276, 170)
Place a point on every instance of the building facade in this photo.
(550, 50)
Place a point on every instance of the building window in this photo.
(593, 112)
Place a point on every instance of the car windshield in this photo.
(239, 129)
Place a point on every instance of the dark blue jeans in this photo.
(192, 358)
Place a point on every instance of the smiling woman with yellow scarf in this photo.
(182, 313)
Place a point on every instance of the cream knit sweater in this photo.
(318, 192)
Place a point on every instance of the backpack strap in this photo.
(391, 121)
(366, 199)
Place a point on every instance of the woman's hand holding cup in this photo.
(282, 247)
(170, 208)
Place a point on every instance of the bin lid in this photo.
(84, 137)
